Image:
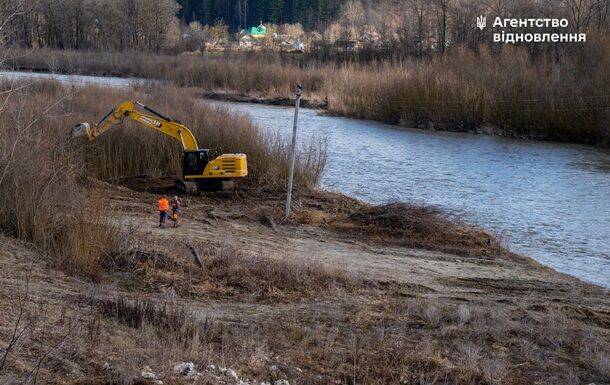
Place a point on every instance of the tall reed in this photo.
(41, 199)
(250, 73)
(504, 93)
(132, 150)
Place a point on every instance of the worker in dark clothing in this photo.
(175, 204)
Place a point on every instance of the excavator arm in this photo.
(150, 119)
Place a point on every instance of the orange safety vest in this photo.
(163, 204)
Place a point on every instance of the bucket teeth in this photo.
(80, 130)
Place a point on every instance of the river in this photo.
(546, 200)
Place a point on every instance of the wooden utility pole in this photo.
(293, 150)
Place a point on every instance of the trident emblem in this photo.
(481, 22)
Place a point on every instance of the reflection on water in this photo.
(549, 201)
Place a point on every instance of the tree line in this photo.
(240, 14)
(90, 24)
(399, 27)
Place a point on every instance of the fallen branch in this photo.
(195, 255)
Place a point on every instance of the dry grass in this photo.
(41, 199)
(261, 75)
(112, 156)
(349, 337)
(420, 227)
(505, 93)
(395, 341)
(171, 320)
(420, 341)
(228, 271)
(409, 341)
(396, 223)
(264, 276)
(85, 243)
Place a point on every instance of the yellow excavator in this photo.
(200, 170)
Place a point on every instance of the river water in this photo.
(546, 200)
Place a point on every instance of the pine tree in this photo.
(310, 13)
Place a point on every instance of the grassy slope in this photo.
(266, 308)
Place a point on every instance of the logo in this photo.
(481, 22)
(152, 122)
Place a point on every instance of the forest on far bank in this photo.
(393, 28)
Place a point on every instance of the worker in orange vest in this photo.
(163, 205)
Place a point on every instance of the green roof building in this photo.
(260, 31)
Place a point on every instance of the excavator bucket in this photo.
(81, 130)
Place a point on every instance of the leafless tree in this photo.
(602, 10)
(441, 9)
(293, 31)
(85, 24)
(415, 28)
(217, 33)
(581, 13)
(333, 32)
(352, 19)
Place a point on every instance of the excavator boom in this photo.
(152, 119)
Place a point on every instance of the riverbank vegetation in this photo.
(505, 93)
(413, 63)
(42, 166)
(41, 199)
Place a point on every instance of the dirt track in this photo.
(428, 273)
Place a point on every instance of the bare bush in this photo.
(166, 316)
(420, 227)
(463, 314)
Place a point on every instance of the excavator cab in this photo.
(194, 162)
(202, 171)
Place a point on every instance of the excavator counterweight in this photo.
(200, 170)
